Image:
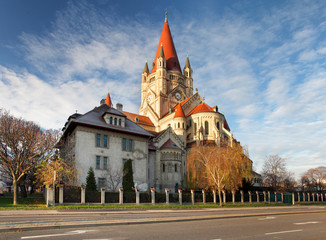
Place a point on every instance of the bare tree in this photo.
(274, 172)
(316, 178)
(113, 179)
(23, 144)
(217, 168)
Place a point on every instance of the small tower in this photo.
(179, 123)
(144, 82)
(187, 72)
(108, 100)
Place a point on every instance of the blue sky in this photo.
(262, 63)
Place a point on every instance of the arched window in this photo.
(178, 125)
(175, 167)
(115, 121)
(163, 167)
(111, 119)
(119, 121)
(195, 128)
(206, 128)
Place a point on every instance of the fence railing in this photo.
(79, 195)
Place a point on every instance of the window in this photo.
(218, 125)
(105, 162)
(98, 162)
(98, 140)
(163, 167)
(130, 145)
(101, 182)
(115, 121)
(111, 120)
(206, 128)
(175, 167)
(195, 128)
(119, 121)
(124, 144)
(178, 125)
(105, 141)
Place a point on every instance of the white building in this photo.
(171, 119)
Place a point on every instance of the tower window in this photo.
(119, 121)
(206, 128)
(115, 121)
(111, 120)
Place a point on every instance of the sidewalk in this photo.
(123, 217)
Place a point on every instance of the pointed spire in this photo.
(172, 61)
(179, 111)
(146, 68)
(166, 15)
(161, 51)
(187, 63)
(108, 100)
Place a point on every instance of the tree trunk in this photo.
(220, 197)
(23, 192)
(15, 192)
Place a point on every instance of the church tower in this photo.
(165, 85)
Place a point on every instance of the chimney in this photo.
(119, 107)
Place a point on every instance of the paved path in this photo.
(13, 220)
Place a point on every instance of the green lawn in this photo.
(36, 201)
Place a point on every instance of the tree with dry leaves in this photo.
(217, 167)
(23, 145)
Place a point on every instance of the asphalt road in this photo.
(284, 223)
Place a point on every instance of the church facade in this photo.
(172, 118)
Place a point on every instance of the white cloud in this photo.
(265, 73)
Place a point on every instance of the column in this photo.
(303, 197)
(204, 196)
(257, 194)
(275, 197)
(250, 200)
(49, 197)
(61, 195)
(103, 196)
(293, 200)
(298, 197)
(308, 194)
(214, 196)
(269, 197)
(241, 193)
(233, 197)
(264, 196)
(153, 195)
(167, 198)
(192, 197)
(313, 197)
(317, 195)
(180, 196)
(282, 197)
(224, 196)
(82, 192)
(137, 195)
(121, 196)
(322, 197)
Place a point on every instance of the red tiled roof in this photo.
(178, 111)
(141, 119)
(169, 144)
(201, 108)
(172, 61)
(226, 125)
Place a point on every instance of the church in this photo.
(172, 118)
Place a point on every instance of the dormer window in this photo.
(111, 120)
